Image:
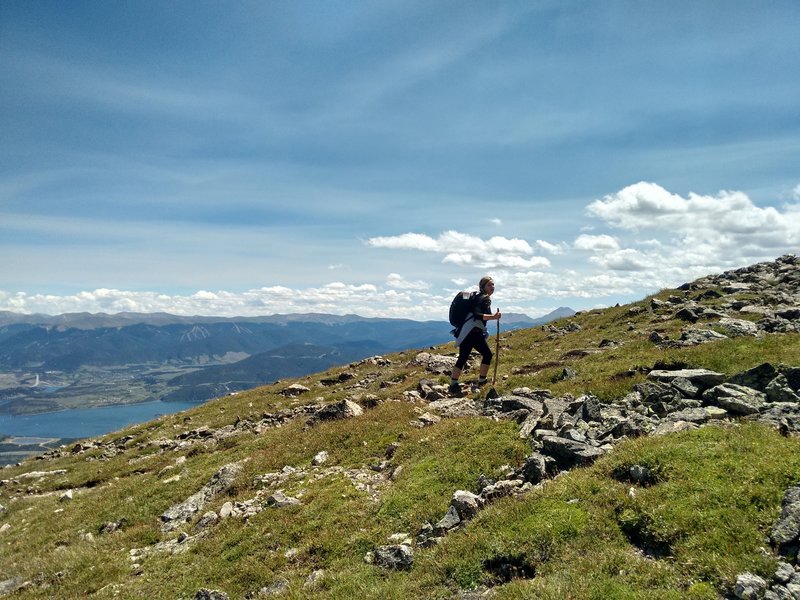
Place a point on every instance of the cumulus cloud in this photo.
(464, 250)
(698, 230)
(596, 242)
(624, 260)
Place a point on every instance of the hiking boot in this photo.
(454, 389)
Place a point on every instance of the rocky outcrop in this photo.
(568, 432)
(764, 299)
(180, 513)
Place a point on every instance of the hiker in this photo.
(473, 335)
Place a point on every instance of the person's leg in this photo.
(463, 355)
(486, 359)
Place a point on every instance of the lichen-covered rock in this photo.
(736, 399)
(398, 557)
(786, 531)
(700, 378)
(750, 587)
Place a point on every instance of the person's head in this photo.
(486, 285)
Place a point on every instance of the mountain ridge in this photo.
(87, 320)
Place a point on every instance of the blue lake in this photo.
(86, 422)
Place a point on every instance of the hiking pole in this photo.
(496, 353)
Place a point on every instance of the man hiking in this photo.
(473, 335)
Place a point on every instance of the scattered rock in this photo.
(346, 409)
(295, 390)
(9, 586)
(205, 594)
(320, 458)
(398, 557)
(180, 513)
(276, 588)
(750, 587)
(435, 363)
(280, 500)
(314, 580)
(466, 504)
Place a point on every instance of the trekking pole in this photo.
(496, 353)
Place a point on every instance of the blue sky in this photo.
(244, 158)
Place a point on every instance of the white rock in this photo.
(320, 458)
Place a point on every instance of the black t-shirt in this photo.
(483, 306)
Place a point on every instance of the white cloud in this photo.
(796, 192)
(554, 249)
(467, 250)
(623, 260)
(397, 281)
(596, 242)
(496, 221)
(334, 298)
(406, 241)
(729, 223)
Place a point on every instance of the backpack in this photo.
(461, 307)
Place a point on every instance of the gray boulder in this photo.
(792, 375)
(778, 390)
(280, 500)
(699, 415)
(338, 410)
(687, 314)
(786, 531)
(295, 390)
(695, 337)
(553, 410)
(591, 409)
(702, 379)
(569, 453)
(455, 407)
(750, 587)
(500, 489)
(538, 467)
(398, 557)
(435, 363)
(449, 521)
(757, 378)
(466, 504)
(736, 399)
(784, 572)
(737, 327)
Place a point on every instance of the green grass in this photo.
(582, 535)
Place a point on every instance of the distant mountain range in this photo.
(78, 356)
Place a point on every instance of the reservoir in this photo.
(86, 422)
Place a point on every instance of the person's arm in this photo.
(484, 310)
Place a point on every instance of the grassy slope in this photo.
(708, 515)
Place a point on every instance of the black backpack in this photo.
(461, 307)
